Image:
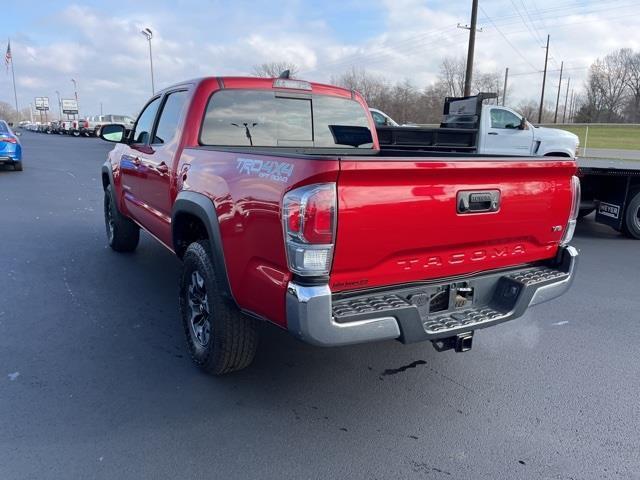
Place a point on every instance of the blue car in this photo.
(10, 148)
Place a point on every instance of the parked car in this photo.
(10, 147)
(71, 127)
(469, 125)
(94, 123)
(283, 208)
(54, 127)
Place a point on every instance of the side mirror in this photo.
(17, 134)
(523, 124)
(113, 132)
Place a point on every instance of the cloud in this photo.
(102, 48)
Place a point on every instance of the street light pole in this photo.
(149, 35)
(59, 105)
(75, 93)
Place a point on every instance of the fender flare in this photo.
(201, 206)
(106, 168)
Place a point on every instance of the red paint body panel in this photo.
(248, 209)
(397, 220)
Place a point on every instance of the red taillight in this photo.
(309, 220)
(293, 216)
(318, 217)
(8, 140)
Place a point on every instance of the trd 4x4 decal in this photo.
(269, 169)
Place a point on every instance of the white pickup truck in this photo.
(471, 126)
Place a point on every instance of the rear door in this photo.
(502, 135)
(158, 164)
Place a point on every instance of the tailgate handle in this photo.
(478, 201)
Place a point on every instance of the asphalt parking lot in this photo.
(96, 382)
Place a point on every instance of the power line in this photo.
(413, 44)
(506, 39)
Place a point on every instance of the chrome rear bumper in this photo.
(313, 315)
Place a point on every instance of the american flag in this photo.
(7, 56)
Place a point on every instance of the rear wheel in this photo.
(123, 235)
(17, 166)
(220, 338)
(631, 222)
(75, 133)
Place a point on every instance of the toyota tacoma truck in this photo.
(277, 198)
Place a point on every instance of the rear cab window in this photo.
(273, 118)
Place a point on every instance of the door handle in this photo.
(163, 168)
(493, 133)
(478, 201)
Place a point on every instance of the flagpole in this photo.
(13, 75)
(15, 94)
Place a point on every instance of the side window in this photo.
(501, 118)
(379, 120)
(142, 133)
(169, 118)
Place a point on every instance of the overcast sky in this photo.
(99, 44)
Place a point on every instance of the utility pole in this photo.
(100, 108)
(566, 97)
(544, 80)
(555, 117)
(468, 76)
(504, 91)
(149, 35)
(571, 107)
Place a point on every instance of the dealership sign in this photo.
(42, 103)
(69, 106)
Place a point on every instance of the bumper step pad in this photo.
(462, 318)
(498, 307)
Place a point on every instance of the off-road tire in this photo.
(631, 220)
(233, 338)
(123, 235)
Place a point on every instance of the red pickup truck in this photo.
(283, 208)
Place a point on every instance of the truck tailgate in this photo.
(399, 219)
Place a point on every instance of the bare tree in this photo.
(606, 87)
(452, 72)
(528, 108)
(491, 82)
(274, 69)
(8, 112)
(632, 110)
(375, 90)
